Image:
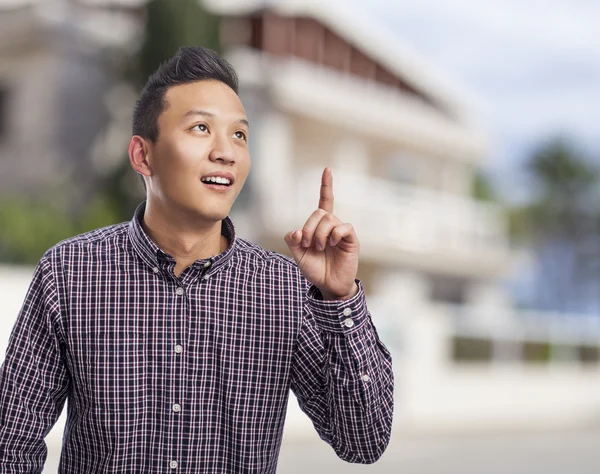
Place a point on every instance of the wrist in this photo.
(332, 297)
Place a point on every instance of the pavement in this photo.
(573, 452)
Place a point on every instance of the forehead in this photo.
(212, 96)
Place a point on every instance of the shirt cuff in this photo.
(340, 316)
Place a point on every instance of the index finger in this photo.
(326, 199)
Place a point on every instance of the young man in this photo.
(175, 341)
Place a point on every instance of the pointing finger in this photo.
(326, 199)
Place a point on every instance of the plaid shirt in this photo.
(187, 374)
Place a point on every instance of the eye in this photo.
(201, 127)
(241, 135)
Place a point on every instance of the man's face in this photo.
(203, 131)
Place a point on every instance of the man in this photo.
(175, 341)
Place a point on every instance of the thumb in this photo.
(293, 240)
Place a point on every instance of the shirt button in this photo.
(348, 323)
(173, 464)
(206, 277)
(176, 408)
(347, 312)
(178, 349)
(207, 264)
(155, 269)
(179, 291)
(365, 378)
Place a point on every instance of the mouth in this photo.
(219, 182)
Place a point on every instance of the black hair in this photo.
(190, 64)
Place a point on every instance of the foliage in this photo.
(28, 227)
(562, 223)
(483, 190)
(170, 25)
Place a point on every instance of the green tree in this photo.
(562, 222)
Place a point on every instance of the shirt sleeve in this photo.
(33, 378)
(342, 377)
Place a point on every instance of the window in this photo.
(472, 349)
(402, 168)
(589, 354)
(537, 352)
(448, 289)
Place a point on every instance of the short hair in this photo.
(190, 64)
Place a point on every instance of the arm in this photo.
(351, 412)
(33, 378)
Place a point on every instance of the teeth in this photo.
(216, 179)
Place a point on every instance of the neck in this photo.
(175, 236)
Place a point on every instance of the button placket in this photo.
(176, 408)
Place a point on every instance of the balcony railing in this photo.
(391, 215)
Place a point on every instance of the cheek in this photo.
(178, 160)
(245, 163)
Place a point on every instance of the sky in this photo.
(533, 67)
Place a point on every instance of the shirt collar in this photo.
(152, 255)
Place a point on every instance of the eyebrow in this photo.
(204, 113)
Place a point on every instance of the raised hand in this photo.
(326, 249)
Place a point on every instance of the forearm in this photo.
(351, 399)
(26, 416)
(33, 380)
(361, 401)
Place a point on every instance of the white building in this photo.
(325, 88)
(58, 90)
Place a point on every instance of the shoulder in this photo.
(101, 238)
(280, 268)
(251, 251)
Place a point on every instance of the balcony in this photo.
(402, 224)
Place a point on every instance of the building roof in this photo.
(104, 23)
(367, 35)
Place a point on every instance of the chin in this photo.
(212, 214)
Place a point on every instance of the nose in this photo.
(222, 150)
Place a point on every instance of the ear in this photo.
(139, 155)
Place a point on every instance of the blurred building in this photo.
(58, 63)
(325, 88)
